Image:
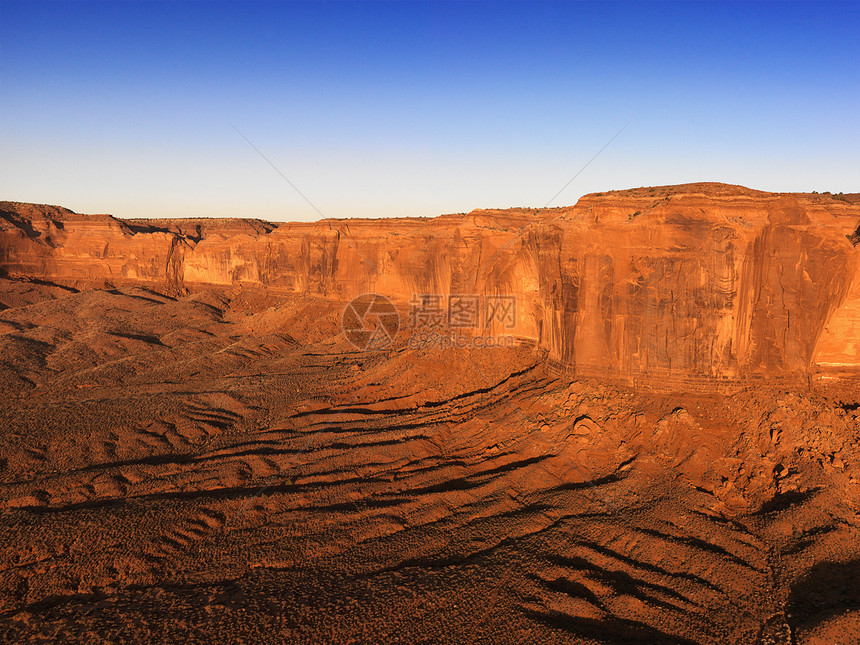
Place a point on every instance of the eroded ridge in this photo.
(223, 462)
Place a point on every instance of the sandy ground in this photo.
(224, 466)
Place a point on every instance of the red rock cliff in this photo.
(695, 281)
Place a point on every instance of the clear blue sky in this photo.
(417, 109)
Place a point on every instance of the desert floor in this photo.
(224, 466)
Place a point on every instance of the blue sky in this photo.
(376, 110)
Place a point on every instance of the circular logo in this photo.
(370, 321)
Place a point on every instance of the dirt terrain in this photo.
(189, 460)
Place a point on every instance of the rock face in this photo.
(191, 444)
(704, 282)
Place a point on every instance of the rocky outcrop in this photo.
(702, 282)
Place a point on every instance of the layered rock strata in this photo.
(698, 281)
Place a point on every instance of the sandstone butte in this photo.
(705, 282)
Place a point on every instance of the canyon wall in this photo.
(698, 281)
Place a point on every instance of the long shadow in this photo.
(21, 223)
(827, 590)
(613, 631)
(510, 466)
(265, 448)
(229, 492)
(570, 588)
(698, 543)
(623, 583)
(102, 600)
(591, 483)
(428, 404)
(652, 568)
(784, 501)
(473, 480)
